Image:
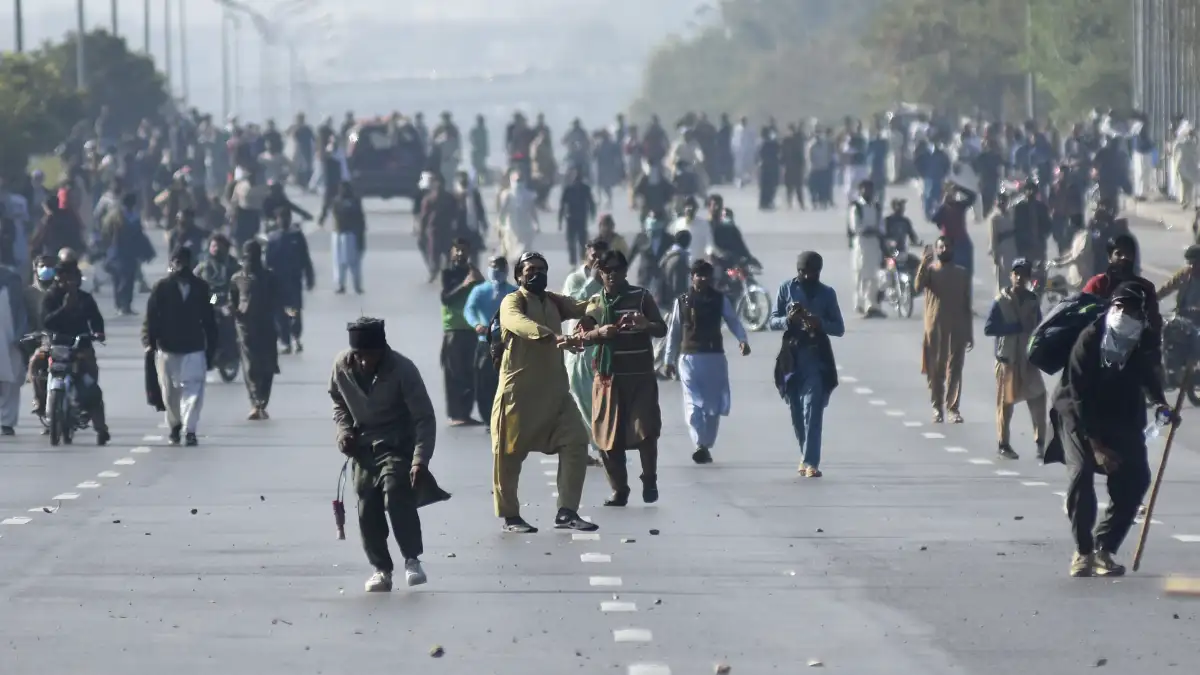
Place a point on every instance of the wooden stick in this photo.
(1162, 465)
(1182, 586)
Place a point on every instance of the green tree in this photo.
(36, 111)
(124, 81)
(785, 58)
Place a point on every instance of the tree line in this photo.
(828, 58)
(41, 105)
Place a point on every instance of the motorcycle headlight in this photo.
(60, 353)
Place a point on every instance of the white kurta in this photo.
(518, 215)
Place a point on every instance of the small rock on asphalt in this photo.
(437, 652)
(627, 540)
(194, 512)
(1018, 517)
(722, 668)
(1101, 662)
(815, 663)
(654, 532)
(451, 555)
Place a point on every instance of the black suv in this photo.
(385, 161)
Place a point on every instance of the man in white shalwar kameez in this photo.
(864, 228)
(744, 144)
(14, 321)
(517, 205)
(694, 338)
(583, 284)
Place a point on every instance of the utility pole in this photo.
(20, 26)
(167, 43)
(237, 66)
(80, 50)
(1029, 83)
(115, 21)
(146, 27)
(183, 52)
(224, 63)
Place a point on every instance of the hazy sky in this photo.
(353, 51)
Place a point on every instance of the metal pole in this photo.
(20, 26)
(167, 42)
(292, 77)
(1029, 84)
(115, 21)
(183, 52)
(225, 64)
(146, 27)
(237, 67)
(80, 50)
(264, 79)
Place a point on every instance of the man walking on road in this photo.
(459, 337)
(482, 305)
(948, 327)
(865, 229)
(1014, 314)
(254, 299)
(181, 328)
(386, 425)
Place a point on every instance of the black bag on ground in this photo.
(1051, 342)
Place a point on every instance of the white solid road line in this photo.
(1187, 538)
(19, 520)
(595, 558)
(605, 581)
(632, 635)
(617, 606)
(956, 450)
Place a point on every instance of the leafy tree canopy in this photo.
(37, 110)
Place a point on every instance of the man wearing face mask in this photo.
(1122, 268)
(805, 373)
(533, 411)
(386, 425)
(459, 336)
(482, 304)
(622, 319)
(181, 328)
(652, 193)
(1014, 314)
(1098, 414)
(948, 327)
(582, 285)
(694, 338)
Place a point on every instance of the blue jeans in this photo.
(807, 399)
(346, 258)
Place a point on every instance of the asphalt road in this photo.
(918, 553)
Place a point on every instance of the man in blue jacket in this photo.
(482, 304)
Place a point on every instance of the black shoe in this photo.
(173, 437)
(618, 498)
(103, 437)
(702, 456)
(1007, 452)
(8, 431)
(519, 526)
(649, 490)
(191, 441)
(569, 520)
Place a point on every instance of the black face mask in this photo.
(810, 283)
(946, 256)
(536, 283)
(1121, 268)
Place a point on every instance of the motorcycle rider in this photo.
(898, 229)
(863, 229)
(728, 246)
(68, 311)
(219, 266)
(1187, 304)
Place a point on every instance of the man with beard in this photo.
(948, 327)
(386, 425)
(1015, 313)
(1122, 268)
(532, 411)
(805, 373)
(482, 304)
(288, 258)
(459, 337)
(439, 218)
(622, 319)
(254, 299)
(652, 193)
(1098, 415)
(181, 329)
(576, 207)
(694, 336)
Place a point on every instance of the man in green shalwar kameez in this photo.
(582, 285)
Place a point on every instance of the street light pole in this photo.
(224, 63)
(1029, 83)
(167, 42)
(115, 21)
(80, 50)
(183, 52)
(146, 27)
(20, 26)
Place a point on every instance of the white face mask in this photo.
(1121, 335)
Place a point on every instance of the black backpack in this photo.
(496, 345)
(1051, 343)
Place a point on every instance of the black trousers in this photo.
(768, 184)
(486, 380)
(124, 276)
(289, 326)
(458, 369)
(577, 235)
(794, 187)
(389, 496)
(1126, 488)
(617, 472)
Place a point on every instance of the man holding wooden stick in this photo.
(1099, 416)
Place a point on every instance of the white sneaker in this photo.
(380, 582)
(413, 574)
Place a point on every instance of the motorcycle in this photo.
(63, 414)
(751, 302)
(228, 360)
(1052, 286)
(896, 279)
(1181, 338)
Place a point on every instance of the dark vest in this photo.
(701, 319)
(633, 353)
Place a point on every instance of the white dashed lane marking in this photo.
(550, 473)
(618, 606)
(108, 474)
(88, 485)
(605, 581)
(980, 462)
(632, 635)
(911, 424)
(956, 450)
(1034, 483)
(863, 390)
(1008, 474)
(877, 401)
(549, 460)
(18, 520)
(649, 669)
(126, 461)
(849, 380)
(1187, 538)
(893, 413)
(142, 449)
(151, 438)
(933, 435)
(585, 536)
(66, 496)
(595, 558)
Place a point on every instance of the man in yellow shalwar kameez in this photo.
(533, 410)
